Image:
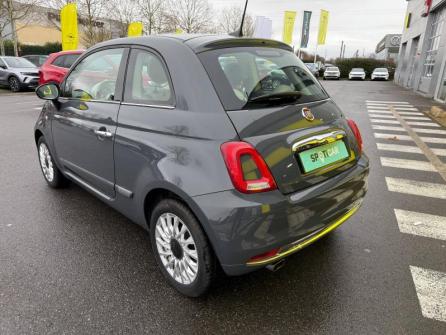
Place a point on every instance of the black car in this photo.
(224, 163)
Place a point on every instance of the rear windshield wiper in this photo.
(276, 97)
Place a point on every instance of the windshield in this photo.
(357, 70)
(18, 62)
(250, 77)
(381, 70)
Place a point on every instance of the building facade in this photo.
(422, 56)
(389, 47)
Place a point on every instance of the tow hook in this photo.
(276, 266)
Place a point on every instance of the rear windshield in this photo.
(250, 77)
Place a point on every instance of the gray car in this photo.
(224, 164)
(18, 73)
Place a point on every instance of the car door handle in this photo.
(102, 132)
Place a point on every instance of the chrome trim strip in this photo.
(100, 101)
(126, 193)
(146, 105)
(87, 186)
(320, 139)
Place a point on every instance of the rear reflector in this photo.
(356, 132)
(265, 255)
(247, 169)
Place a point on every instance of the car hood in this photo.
(25, 69)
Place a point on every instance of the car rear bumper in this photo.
(242, 226)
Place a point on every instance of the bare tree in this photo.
(124, 13)
(230, 19)
(93, 30)
(10, 13)
(152, 13)
(191, 16)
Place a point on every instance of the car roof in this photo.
(68, 52)
(199, 42)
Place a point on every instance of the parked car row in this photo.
(27, 72)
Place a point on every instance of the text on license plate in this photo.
(323, 155)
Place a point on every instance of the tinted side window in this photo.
(69, 60)
(59, 61)
(95, 77)
(148, 80)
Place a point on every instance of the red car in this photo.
(56, 66)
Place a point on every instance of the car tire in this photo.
(14, 84)
(50, 171)
(188, 267)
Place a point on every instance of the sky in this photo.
(361, 24)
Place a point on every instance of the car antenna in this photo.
(239, 31)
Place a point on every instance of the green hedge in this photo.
(368, 64)
(26, 49)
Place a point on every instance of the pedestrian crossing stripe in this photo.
(421, 224)
(419, 118)
(408, 164)
(388, 102)
(399, 137)
(409, 113)
(414, 187)
(399, 148)
(430, 131)
(423, 124)
(384, 121)
(379, 112)
(391, 128)
(382, 116)
(405, 109)
(430, 286)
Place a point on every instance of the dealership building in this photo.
(388, 48)
(422, 56)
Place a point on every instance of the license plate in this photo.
(323, 155)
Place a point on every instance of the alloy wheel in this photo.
(176, 248)
(46, 162)
(14, 84)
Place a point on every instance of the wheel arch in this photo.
(37, 134)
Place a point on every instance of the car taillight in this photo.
(356, 132)
(247, 169)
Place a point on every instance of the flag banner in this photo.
(68, 26)
(306, 29)
(288, 26)
(179, 31)
(135, 29)
(323, 27)
(263, 27)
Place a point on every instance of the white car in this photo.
(357, 73)
(380, 73)
(332, 72)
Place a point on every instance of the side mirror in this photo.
(3, 67)
(48, 91)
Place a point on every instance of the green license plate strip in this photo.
(323, 155)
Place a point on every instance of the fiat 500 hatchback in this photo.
(227, 150)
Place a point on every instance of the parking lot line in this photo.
(389, 102)
(409, 164)
(423, 124)
(382, 116)
(430, 131)
(384, 121)
(395, 137)
(421, 224)
(418, 118)
(377, 127)
(399, 148)
(414, 187)
(430, 286)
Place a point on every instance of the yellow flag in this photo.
(288, 26)
(323, 27)
(68, 26)
(178, 31)
(135, 29)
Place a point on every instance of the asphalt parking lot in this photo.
(70, 264)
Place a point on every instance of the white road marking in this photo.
(430, 131)
(421, 224)
(405, 109)
(37, 108)
(379, 112)
(409, 113)
(374, 126)
(409, 164)
(439, 152)
(422, 124)
(389, 102)
(396, 137)
(384, 121)
(413, 187)
(399, 148)
(419, 118)
(431, 291)
(379, 107)
(382, 116)
(439, 140)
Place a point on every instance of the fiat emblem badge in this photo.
(307, 114)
